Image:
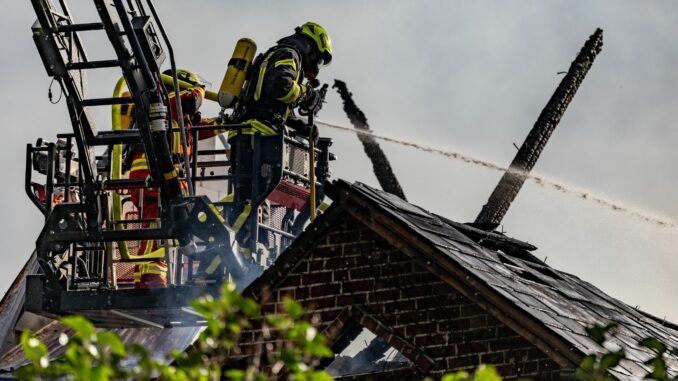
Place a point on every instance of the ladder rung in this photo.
(107, 101)
(217, 177)
(211, 164)
(212, 151)
(116, 137)
(60, 16)
(81, 27)
(92, 65)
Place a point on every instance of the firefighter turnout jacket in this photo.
(273, 90)
(153, 274)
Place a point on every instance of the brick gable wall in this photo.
(416, 312)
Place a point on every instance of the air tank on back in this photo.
(240, 61)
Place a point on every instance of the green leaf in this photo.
(34, 349)
(658, 368)
(319, 375)
(611, 359)
(235, 374)
(101, 373)
(80, 325)
(112, 341)
(459, 376)
(588, 362)
(487, 373)
(294, 309)
(250, 308)
(598, 332)
(654, 344)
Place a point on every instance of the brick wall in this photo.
(414, 311)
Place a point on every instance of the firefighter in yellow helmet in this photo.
(154, 274)
(275, 87)
(275, 80)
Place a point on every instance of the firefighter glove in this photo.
(315, 133)
(312, 100)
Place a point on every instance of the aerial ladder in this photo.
(86, 240)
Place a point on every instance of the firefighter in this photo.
(273, 89)
(154, 274)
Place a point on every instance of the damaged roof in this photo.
(159, 341)
(514, 285)
(504, 270)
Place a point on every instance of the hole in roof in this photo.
(366, 353)
(526, 272)
(545, 270)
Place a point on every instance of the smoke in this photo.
(539, 180)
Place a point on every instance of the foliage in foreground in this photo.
(92, 354)
(595, 367)
(101, 355)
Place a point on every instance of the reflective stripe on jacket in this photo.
(254, 126)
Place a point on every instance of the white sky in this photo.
(466, 76)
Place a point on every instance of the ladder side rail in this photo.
(142, 85)
(180, 112)
(82, 126)
(86, 158)
(159, 146)
(74, 35)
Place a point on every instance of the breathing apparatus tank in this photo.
(240, 61)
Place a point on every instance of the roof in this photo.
(159, 341)
(11, 306)
(548, 307)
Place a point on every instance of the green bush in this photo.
(99, 355)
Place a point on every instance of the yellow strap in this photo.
(323, 206)
(149, 253)
(118, 122)
(255, 127)
(149, 247)
(170, 175)
(213, 265)
(176, 142)
(262, 73)
(261, 127)
(242, 217)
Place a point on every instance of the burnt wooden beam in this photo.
(508, 187)
(380, 164)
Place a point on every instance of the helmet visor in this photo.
(325, 60)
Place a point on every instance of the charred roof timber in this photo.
(506, 191)
(380, 164)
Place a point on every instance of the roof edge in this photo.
(464, 281)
